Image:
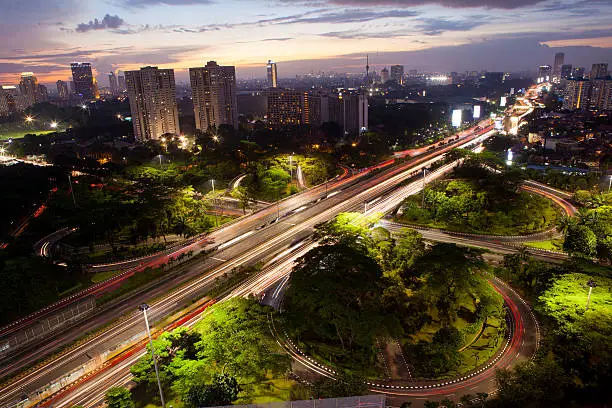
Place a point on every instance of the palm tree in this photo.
(564, 223)
(587, 217)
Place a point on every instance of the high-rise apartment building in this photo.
(13, 99)
(384, 75)
(5, 109)
(62, 90)
(397, 74)
(28, 87)
(84, 81)
(287, 107)
(272, 74)
(600, 94)
(113, 84)
(566, 71)
(599, 71)
(121, 83)
(578, 73)
(544, 74)
(577, 94)
(152, 94)
(213, 88)
(42, 94)
(559, 60)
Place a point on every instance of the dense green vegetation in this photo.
(229, 355)
(590, 233)
(574, 363)
(362, 285)
(478, 201)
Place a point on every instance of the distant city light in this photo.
(476, 111)
(509, 157)
(503, 101)
(53, 125)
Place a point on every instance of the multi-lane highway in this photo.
(240, 243)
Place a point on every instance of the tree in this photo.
(580, 239)
(223, 390)
(335, 293)
(347, 385)
(531, 384)
(119, 397)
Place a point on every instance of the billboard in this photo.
(457, 116)
(502, 101)
(476, 111)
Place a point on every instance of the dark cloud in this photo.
(265, 40)
(345, 16)
(436, 26)
(108, 22)
(491, 4)
(364, 35)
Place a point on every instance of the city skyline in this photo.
(334, 35)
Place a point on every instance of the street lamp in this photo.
(215, 138)
(609, 183)
(591, 284)
(29, 119)
(144, 307)
(53, 125)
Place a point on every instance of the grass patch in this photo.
(20, 133)
(550, 244)
(102, 276)
(273, 390)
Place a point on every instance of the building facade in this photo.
(272, 74)
(62, 90)
(397, 74)
(566, 71)
(544, 74)
(113, 84)
(599, 71)
(213, 88)
(84, 81)
(28, 87)
(559, 60)
(384, 75)
(287, 107)
(152, 95)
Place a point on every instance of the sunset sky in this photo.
(44, 36)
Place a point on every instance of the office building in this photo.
(566, 71)
(350, 111)
(5, 109)
(397, 74)
(384, 75)
(287, 107)
(62, 90)
(152, 94)
(213, 88)
(599, 71)
(559, 60)
(121, 83)
(113, 84)
(319, 107)
(493, 78)
(544, 74)
(272, 74)
(28, 87)
(413, 73)
(84, 81)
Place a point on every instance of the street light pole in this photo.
(609, 183)
(423, 189)
(291, 168)
(591, 284)
(144, 307)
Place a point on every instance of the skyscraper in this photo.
(287, 107)
(121, 83)
(397, 74)
(213, 88)
(84, 83)
(566, 71)
(28, 87)
(384, 75)
(349, 110)
(559, 59)
(42, 94)
(112, 81)
(544, 74)
(318, 102)
(5, 109)
(152, 94)
(62, 90)
(599, 71)
(272, 74)
(600, 94)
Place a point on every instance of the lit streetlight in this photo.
(53, 125)
(29, 119)
(591, 284)
(215, 138)
(144, 307)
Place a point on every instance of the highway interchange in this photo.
(254, 238)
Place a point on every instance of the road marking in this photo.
(288, 223)
(219, 259)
